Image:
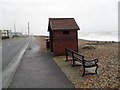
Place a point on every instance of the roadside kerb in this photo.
(10, 70)
(38, 42)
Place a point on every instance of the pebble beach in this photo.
(107, 54)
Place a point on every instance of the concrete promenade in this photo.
(38, 70)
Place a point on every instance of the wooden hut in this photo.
(63, 34)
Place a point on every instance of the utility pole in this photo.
(28, 29)
(22, 30)
(14, 27)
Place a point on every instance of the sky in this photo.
(119, 18)
(90, 15)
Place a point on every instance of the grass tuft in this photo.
(89, 47)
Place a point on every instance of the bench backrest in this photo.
(69, 51)
(78, 57)
(74, 54)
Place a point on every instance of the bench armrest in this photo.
(95, 60)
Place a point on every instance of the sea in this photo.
(99, 36)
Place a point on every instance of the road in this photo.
(10, 48)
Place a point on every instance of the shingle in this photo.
(63, 24)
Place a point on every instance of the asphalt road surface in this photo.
(10, 49)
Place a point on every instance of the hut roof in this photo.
(62, 24)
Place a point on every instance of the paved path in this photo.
(38, 70)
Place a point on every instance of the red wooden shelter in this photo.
(63, 34)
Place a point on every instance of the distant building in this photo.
(10, 34)
(7, 34)
(0, 34)
(17, 34)
(63, 34)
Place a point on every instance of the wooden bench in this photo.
(80, 58)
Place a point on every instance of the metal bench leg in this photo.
(83, 71)
(73, 62)
(96, 69)
(66, 56)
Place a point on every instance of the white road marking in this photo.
(13, 42)
(8, 44)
